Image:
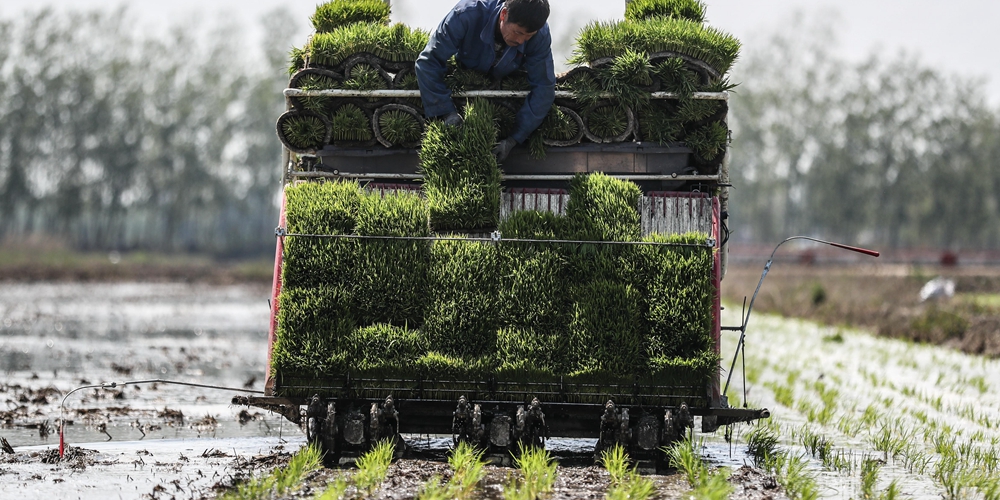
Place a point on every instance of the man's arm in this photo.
(541, 80)
(433, 64)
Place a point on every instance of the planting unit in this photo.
(582, 299)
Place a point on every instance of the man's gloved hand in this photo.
(454, 120)
(503, 148)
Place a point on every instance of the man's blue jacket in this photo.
(468, 33)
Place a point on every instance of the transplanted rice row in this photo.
(931, 436)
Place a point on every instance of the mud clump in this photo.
(754, 484)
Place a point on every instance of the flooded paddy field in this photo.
(160, 440)
(924, 418)
(873, 417)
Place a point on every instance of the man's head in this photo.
(521, 19)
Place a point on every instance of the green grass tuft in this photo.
(339, 13)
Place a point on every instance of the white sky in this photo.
(959, 36)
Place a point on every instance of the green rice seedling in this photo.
(762, 443)
(697, 110)
(297, 60)
(463, 79)
(399, 127)
(953, 477)
(625, 78)
(391, 278)
(626, 483)
(793, 474)
(467, 462)
(678, 294)
(645, 9)
(610, 39)
(817, 445)
(461, 176)
(606, 122)
(310, 323)
(616, 462)
(338, 13)
(373, 466)
(840, 460)
(317, 82)
(434, 489)
(870, 416)
(365, 77)
(461, 315)
(538, 475)
(783, 394)
(383, 346)
(869, 477)
(335, 491)
(660, 124)
(684, 455)
(607, 331)
(304, 131)
(397, 43)
(280, 482)
(708, 142)
(351, 124)
(603, 208)
(635, 488)
(891, 439)
(558, 126)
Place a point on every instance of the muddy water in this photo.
(874, 399)
(162, 440)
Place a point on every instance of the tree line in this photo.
(887, 151)
(116, 139)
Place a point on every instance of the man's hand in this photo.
(454, 120)
(503, 148)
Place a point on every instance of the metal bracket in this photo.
(496, 237)
(280, 232)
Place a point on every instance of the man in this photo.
(494, 37)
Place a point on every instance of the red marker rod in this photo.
(865, 251)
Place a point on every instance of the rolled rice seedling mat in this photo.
(303, 131)
(693, 10)
(709, 142)
(659, 123)
(394, 44)
(336, 14)
(715, 48)
(608, 123)
(351, 125)
(462, 79)
(397, 125)
(461, 317)
(314, 79)
(562, 127)
(391, 276)
(461, 176)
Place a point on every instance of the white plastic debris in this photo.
(937, 289)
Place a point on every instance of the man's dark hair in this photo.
(529, 14)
